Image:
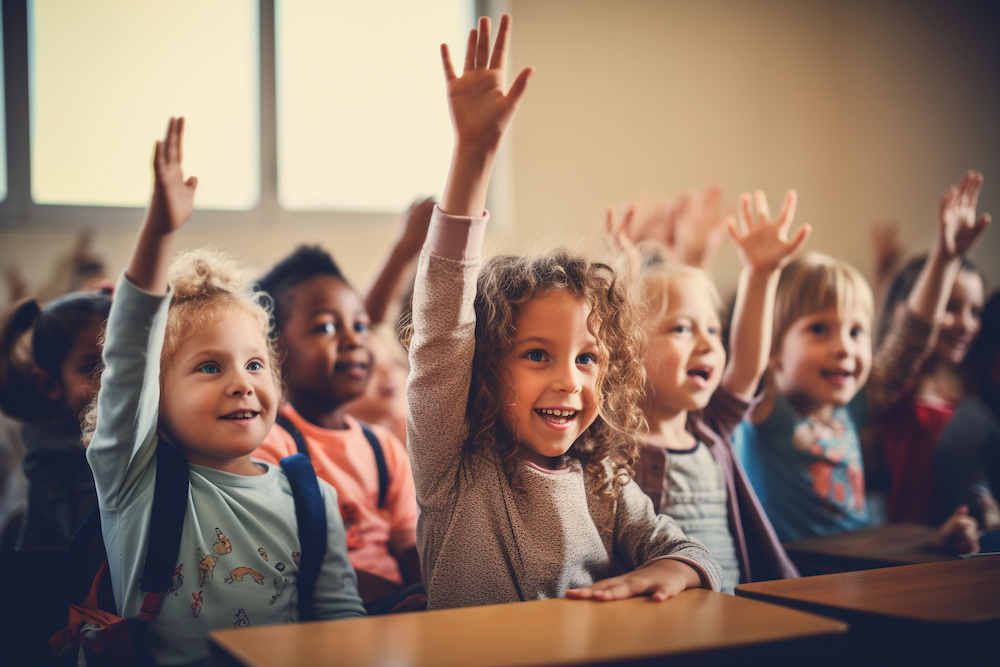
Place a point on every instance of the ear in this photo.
(50, 387)
(774, 363)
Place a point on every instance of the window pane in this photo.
(362, 119)
(104, 77)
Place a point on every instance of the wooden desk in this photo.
(696, 627)
(881, 546)
(926, 613)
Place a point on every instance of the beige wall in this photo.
(868, 109)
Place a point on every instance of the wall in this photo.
(868, 109)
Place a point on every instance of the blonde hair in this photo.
(208, 287)
(655, 278)
(815, 282)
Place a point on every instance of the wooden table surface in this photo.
(954, 591)
(545, 632)
(879, 546)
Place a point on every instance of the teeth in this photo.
(558, 413)
(242, 415)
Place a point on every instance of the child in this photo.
(929, 335)
(188, 364)
(323, 331)
(704, 488)
(967, 455)
(522, 400)
(801, 447)
(48, 377)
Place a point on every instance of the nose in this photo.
(567, 379)
(240, 385)
(969, 321)
(351, 338)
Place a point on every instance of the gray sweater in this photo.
(480, 540)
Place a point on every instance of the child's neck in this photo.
(322, 415)
(811, 410)
(240, 465)
(669, 430)
(941, 380)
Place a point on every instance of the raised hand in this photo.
(480, 111)
(173, 196)
(416, 220)
(959, 228)
(763, 245)
(699, 228)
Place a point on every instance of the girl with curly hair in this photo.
(522, 399)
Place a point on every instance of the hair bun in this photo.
(202, 274)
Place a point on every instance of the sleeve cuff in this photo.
(456, 236)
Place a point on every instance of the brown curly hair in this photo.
(609, 447)
(208, 287)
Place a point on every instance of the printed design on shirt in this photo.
(835, 469)
(223, 546)
(263, 553)
(351, 514)
(280, 583)
(279, 566)
(196, 602)
(177, 580)
(206, 565)
(296, 556)
(240, 572)
(241, 619)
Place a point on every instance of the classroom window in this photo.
(104, 75)
(361, 117)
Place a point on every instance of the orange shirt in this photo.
(344, 458)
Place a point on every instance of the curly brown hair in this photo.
(208, 287)
(609, 447)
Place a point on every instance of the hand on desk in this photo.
(661, 580)
(960, 533)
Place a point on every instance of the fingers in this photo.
(483, 43)
(788, 209)
(449, 71)
(192, 182)
(799, 240)
(519, 86)
(763, 212)
(734, 232)
(499, 59)
(745, 211)
(178, 151)
(470, 51)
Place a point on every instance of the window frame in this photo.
(18, 211)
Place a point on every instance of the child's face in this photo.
(219, 398)
(961, 322)
(685, 358)
(325, 339)
(553, 368)
(824, 358)
(78, 378)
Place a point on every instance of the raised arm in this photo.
(480, 113)
(959, 230)
(388, 284)
(169, 208)
(764, 249)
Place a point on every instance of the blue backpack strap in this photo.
(383, 470)
(170, 495)
(310, 514)
(300, 440)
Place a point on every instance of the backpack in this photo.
(383, 470)
(94, 634)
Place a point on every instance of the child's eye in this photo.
(255, 365)
(817, 328)
(713, 331)
(326, 328)
(856, 332)
(587, 359)
(680, 329)
(209, 368)
(361, 327)
(535, 355)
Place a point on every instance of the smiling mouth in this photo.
(702, 373)
(556, 416)
(242, 414)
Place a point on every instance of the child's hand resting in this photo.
(660, 580)
(959, 228)
(173, 197)
(480, 112)
(763, 245)
(960, 533)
